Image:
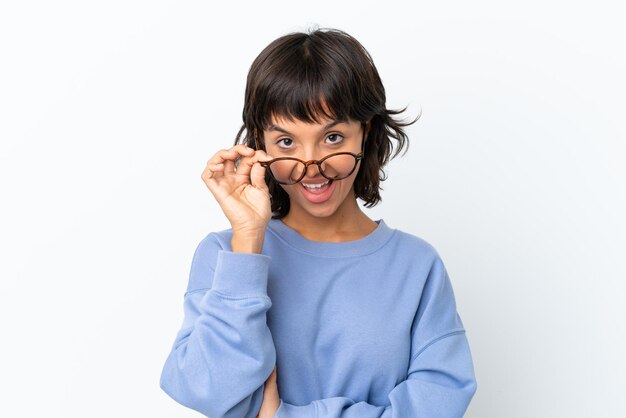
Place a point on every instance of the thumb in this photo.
(257, 176)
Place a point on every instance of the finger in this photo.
(212, 171)
(231, 153)
(229, 167)
(218, 157)
(257, 171)
(257, 177)
(214, 167)
(243, 149)
(246, 163)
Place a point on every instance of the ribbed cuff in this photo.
(286, 410)
(241, 274)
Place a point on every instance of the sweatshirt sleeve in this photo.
(440, 379)
(224, 351)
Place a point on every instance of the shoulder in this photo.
(430, 271)
(407, 243)
(416, 255)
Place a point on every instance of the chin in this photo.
(319, 211)
(324, 212)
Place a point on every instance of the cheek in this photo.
(290, 190)
(344, 187)
(350, 180)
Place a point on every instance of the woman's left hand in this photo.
(271, 399)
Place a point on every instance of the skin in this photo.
(244, 197)
(340, 218)
(271, 398)
(242, 194)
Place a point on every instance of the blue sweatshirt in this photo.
(361, 329)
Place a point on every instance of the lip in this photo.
(318, 197)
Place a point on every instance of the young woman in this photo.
(306, 307)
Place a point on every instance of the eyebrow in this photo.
(330, 125)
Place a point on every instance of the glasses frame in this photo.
(357, 158)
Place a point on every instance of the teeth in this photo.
(315, 186)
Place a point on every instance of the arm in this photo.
(224, 351)
(440, 380)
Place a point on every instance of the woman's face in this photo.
(285, 138)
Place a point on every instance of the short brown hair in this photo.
(300, 76)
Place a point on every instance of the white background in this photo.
(515, 173)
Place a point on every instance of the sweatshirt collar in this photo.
(363, 246)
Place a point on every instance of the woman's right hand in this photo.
(242, 193)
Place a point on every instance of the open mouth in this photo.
(316, 188)
(317, 193)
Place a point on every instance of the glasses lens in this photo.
(338, 166)
(287, 171)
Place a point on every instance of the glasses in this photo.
(336, 166)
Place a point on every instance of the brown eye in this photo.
(286, 143)
(335, 136)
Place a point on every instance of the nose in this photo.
(313, 171)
